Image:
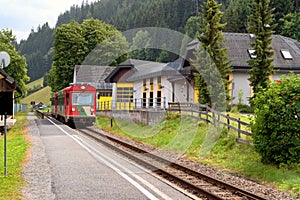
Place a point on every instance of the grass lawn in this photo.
(203, 143)
(42, 95)
(17, 145)
(36, 83)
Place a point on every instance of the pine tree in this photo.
(212, 40)
(282, 8)
(236, 15)
(261, 25)
(291, 26)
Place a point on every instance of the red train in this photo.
(75, 105)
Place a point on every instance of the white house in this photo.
(286, 59)
(155, 84)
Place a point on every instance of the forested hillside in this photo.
(37, 50)
(123, 14)
(128, 14)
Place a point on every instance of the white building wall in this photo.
(240, 82)
(167, 89)
(184, 91)
(138, 89)
(277, 75)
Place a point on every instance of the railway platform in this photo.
(67, 165)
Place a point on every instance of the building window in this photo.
(144, 85)
(159, 79)
(286, 54)
(159, 83)
(104, 93)
(252, 53)
(151, 84)
(124, 94)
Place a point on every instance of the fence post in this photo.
(214, 118)
(199, 111)
(239, 128)
(206, 112)
(228, 121)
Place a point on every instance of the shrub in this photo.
(276, 129)
(240, 108)
(245, 108)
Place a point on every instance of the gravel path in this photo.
(37, 172)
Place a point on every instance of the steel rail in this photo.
(188, 185)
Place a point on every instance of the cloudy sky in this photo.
(21, 16)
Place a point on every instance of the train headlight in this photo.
(73, 109)
(92, 109)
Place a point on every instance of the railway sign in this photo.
(6, 99)
(4, 59)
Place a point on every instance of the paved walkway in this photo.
(66, 165)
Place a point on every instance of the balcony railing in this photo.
(141, 103)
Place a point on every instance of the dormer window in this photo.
(252, 53)
(286, 54)
(251, 37)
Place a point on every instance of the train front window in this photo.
(83, 99)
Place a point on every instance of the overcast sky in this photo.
(21, 16)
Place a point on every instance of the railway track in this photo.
(201, 185)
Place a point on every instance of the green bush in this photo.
(276, 129)
(240, 108)
(245, 108)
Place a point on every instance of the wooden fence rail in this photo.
(209, 115)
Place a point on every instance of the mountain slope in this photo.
(123, 14)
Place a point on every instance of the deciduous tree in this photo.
(73, 44)
(17, 67)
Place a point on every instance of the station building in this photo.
(140, 84)
(7, 85)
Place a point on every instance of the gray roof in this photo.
(10, 81)
(149, 69)
(133, 62)
(92, 73)
(238, 46)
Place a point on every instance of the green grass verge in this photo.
(17, 145)
(199, 142)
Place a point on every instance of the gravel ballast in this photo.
(37, 172)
